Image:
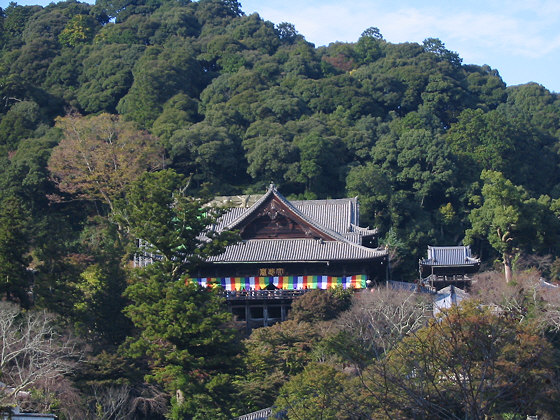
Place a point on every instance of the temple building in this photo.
(448, 265)
(289, 247)
(295, 245)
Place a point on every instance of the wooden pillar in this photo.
(265, 315)
(247, 318)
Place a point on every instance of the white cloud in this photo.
(522, 28)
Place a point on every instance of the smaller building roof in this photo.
(448, 256)
(447, 297)
(14, 413)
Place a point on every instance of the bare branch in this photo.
(32, 350)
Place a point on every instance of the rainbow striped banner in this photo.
(282, 282)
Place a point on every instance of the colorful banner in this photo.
(282, 282)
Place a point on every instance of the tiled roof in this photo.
(449, 255)
(244, 215)
(364, 231)
(337, 218)
(273, 192)
(447, 297)
(273, 250)
(229, 217)
(340, 216)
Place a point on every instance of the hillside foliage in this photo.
(113, 116)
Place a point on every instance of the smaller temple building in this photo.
(288, 247)
(446, 266)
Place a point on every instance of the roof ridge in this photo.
(307, 219)
(342, 200)
(272, 190)
(252, 209)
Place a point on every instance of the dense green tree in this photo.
(179, 112)
(207, 153)
(15, 21)
(301, 60)
(19, 123)
(326, 95)
(176, 20)
(425, 166)
(107, 76)
(280, 104)
(216, 14)
(184, 336)
(243, 84)
(255, 34)
(368, 48)
(371, 186)
(26, 175)
(270, 157)
(157, 211)
(486, 85)
(444, 97)
(316, 393)
(397, 80)
(509, 220)
(359, 136)
(533, 104)
(33, 60)
(495, 142)
(317, 169)
(158, 75)
(63, 75)
(183, 328)
(46, 24)
(14, 247)
(270, 151)
(98, 299)
(287, 32)
(121, 10)
(272, 355)
(435, 46)
(137, 30)
(415, 171)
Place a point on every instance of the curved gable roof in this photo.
(295, 213)
(335, 247)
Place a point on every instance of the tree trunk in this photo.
(180, 397)
(507, 267)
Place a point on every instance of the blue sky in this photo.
(520, 38)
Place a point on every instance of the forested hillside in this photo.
(238, 102)
(107, 111)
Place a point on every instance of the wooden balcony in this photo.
(277, 294)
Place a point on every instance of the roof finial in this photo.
(272, 186)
